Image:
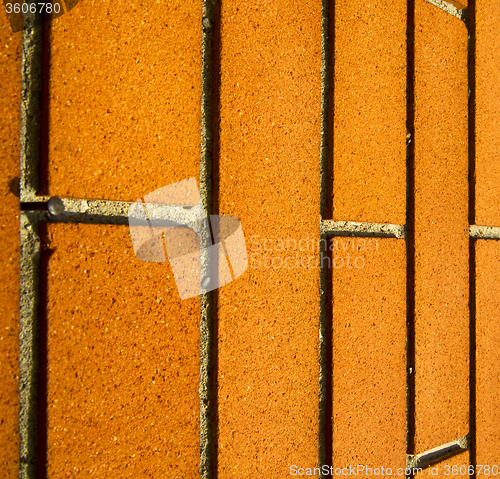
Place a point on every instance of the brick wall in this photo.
(357, 144)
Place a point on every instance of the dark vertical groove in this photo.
(326, 160)
(31, 74)
(331, 90)
(208, 158)
(329, 361)
(43, 180)
(410, 225)
(215, 210)
(326, 155)
(42, 355)
(471, 24)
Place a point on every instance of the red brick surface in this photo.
(369, 357)
(487, 113)
(10, 120)
(269, 179)
(124, 103)
(487, 352)
(369, 172)
(441, 230)
(123, 361)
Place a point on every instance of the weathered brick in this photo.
(10, 123)
(369, 354)
(441, 230)
(269, 179)
(124, 98)
(369, 139)
(487, 352)
(487, 113)
(123, 360)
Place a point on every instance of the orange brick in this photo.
(10, 124)
(487, 352)
(487, 113)
(369, 140)
(369, 352)
(124, 102)
(269, 179)
(441, 230)
(123, 360)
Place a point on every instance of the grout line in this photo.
(352, 228)
(484, 232)
(116, 212)
(29, 345)
(31, 81)
(410, 228)
(324, 344)
(30, 251)
(471, 70)
(325, 107)
(437, 454)
(208, 443)
(460, 13)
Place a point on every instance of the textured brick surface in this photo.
(10, 100)
(369, 357)
(269, 178)
(487, 352)
(441, 230)
(369, 162)
(123, 361)
(124, 104)
(487, 113)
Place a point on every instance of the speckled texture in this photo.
(123, 360)
(369, 355)
(487, 352)
(369, 159)
(125, 96)
(10, 118)
(487, 113)
(269, 179)
(441, 230)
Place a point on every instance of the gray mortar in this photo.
(31, 78)
(484, 232)
(352, 228)
(206, 387)
(28, 344)
(460, 13)
(437, 454)
(325, 149)
(92, 211)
